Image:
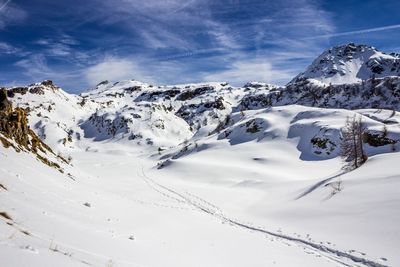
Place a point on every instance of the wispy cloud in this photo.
(35, 65)
(4, 5)
(35, 68)
(349, 33)
(114, 69)
(6, 48)
(10, 14)
(61, 45)
(156, 36)
(270, 48)
(246, 70)
(177, 41)
(172, 41)
(65, 48)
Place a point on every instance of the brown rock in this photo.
(5, 104)
(14, 126)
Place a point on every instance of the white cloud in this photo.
(165, 7)
(243, 71)
(166, 24)
(258, 47)
(6, 48)
(363, 31)
(114, 69)
(35, 69)
(223, 36)
(10, 14)
(4, 5)
(60, 46)
(156, 36)
(35, 66)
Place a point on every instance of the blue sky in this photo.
(80, 43)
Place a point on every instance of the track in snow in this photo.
(341, 257)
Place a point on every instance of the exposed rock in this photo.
(15, 132)
(322, 145)
(377, 139)
(5, 104)
(190, 112)
(193, 93)
(252, 126)
(382, 93)
(103, 83)
(17, 90)
(155, 95)
(38, 90)
(133, 89)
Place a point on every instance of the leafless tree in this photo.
(352, 150)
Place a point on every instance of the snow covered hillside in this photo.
(351, 63)
(134, 174)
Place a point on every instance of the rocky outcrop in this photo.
(190, 94)
(15, 132)
(13, 123)
(197, 115)
(5, 104)
(37, 88)
(383, 93)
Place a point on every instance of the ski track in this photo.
(211, 209)
(207, 207)
(319, 184)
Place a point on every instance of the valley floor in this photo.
(119, 210)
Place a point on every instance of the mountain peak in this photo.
(350, 63)
(120, 86)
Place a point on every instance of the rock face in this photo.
(13, 123)
(5, 104)
(38, 89)
(15, 132)
(378, 93)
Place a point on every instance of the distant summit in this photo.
(351, 63)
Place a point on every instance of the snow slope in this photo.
(115, 199)
(274, 180)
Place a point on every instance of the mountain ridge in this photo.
(166, 116)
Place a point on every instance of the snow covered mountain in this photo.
(379, 93)
(351, 63)
(255, 170)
